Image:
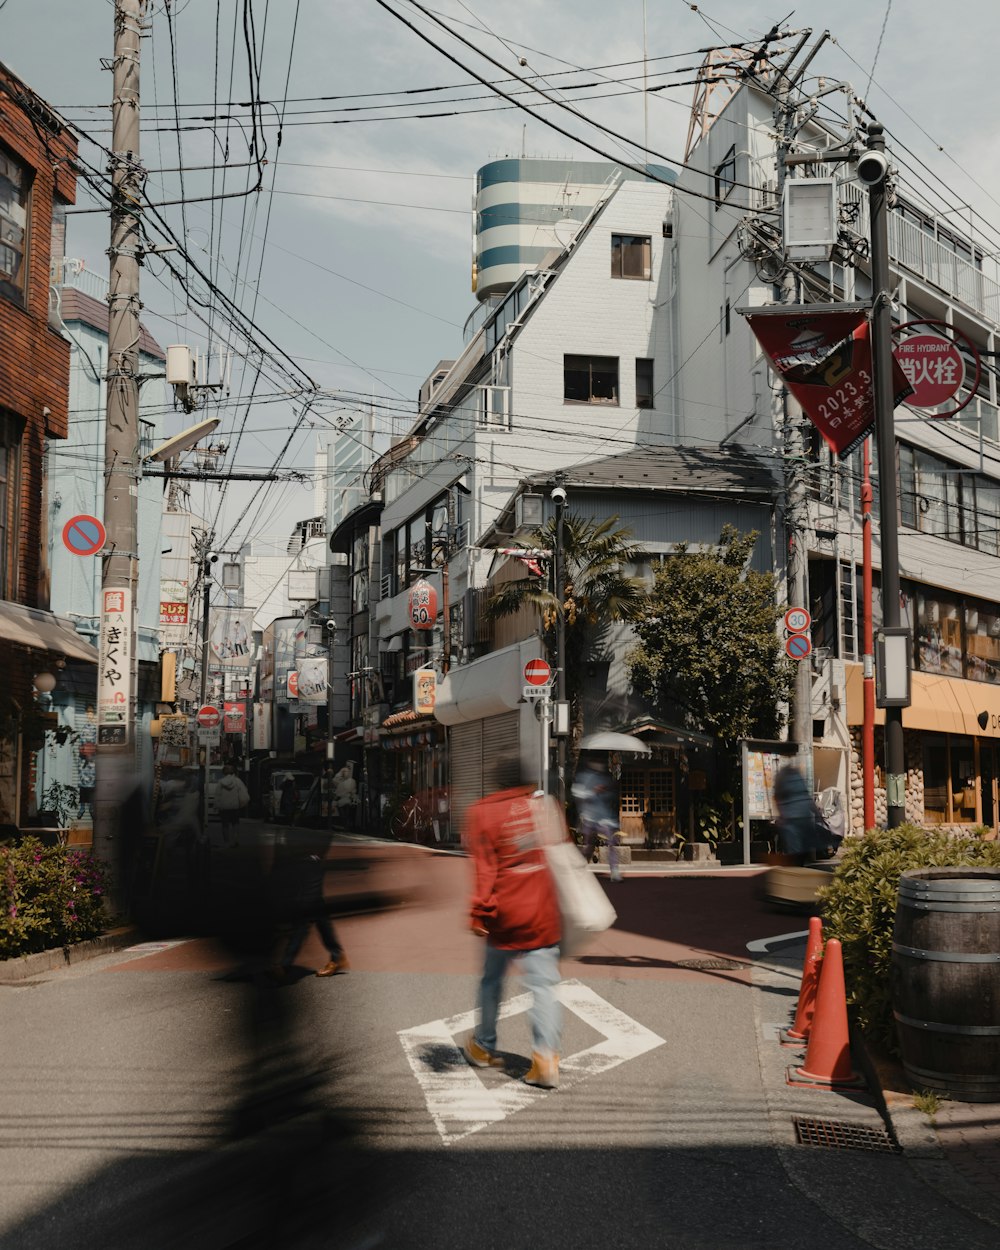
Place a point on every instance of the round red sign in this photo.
(537, 672)
(933, 366)
(208, 717)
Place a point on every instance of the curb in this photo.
(23, 967)
(914, 1135)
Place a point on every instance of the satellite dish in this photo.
(184, 440)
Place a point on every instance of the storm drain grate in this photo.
(711, 965)
(838, 1135)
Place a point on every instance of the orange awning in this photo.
(938, 704)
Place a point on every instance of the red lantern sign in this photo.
(423, 605)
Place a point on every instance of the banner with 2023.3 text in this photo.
(823, 354)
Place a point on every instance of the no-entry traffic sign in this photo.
(84, 535)
(798, 646)
(537, 673)
(208, 717)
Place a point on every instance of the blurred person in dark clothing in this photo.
(803, 834)
(297, 893)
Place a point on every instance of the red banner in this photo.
(234, 717)
(823, 354)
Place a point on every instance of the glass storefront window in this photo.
(963, 781)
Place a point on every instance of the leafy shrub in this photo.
(49, 897)
(859, 908)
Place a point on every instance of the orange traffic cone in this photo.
(828, 1055)
(799, 1031)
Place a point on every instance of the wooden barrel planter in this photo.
(946, 980)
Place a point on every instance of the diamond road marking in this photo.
(457, 1099)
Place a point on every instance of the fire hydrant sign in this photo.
(934, 368)
(113, 670)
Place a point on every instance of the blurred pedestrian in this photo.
(297, 890)
(514, 907)
(327, 791)
(597, 805)
(288, 802)
(231, 797)
(803, 833)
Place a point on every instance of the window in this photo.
(725, 176)
(590, 379)
(10, 464)
(939, 634)
(13, 227)
(630, 256)
(494, 412)
(644, 383)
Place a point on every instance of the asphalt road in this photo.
(150, 1101)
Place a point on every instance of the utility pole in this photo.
(873, 170)
(561, 720)
(868, 645)
(796, 514)
(116, 692)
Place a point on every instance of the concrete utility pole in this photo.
(796, 514)
(885, 438)
(116, 693)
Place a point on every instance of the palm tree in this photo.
(596, 594)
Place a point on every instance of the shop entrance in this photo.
(648, 805)
(988, 782)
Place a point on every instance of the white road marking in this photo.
(153, 948)
(762, 945)
(457, 1099)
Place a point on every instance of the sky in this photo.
(355, 257)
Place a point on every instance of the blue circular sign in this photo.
(84, 535)
(798, 646)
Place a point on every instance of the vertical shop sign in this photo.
(113, 673)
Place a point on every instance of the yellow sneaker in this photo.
(479, 1056)
(544, 1071)
(334, 968)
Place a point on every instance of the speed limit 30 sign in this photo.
(797, 620)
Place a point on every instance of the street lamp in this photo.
(331, 629)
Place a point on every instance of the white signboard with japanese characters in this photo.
(113, 672)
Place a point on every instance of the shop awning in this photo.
(43, 631)
(938, 704)
(486, 687)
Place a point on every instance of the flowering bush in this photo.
(49, 897)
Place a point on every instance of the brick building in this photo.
(37, 182)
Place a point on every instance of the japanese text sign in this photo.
(823, 354)
(113, 679)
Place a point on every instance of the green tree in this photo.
(709, 654)
(596, 593)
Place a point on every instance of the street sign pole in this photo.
(545, 714)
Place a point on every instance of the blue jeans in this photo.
(540, 969)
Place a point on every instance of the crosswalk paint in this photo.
(458, 1100)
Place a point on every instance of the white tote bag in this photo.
(585, 908)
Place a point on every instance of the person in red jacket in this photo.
(514, 906)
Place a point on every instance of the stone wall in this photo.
(914, 799)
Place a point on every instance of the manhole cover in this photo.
(838, 1135)
(711, 965)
